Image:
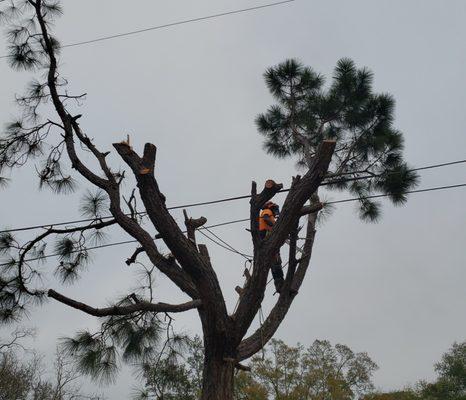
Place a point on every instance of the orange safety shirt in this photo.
(263, 226)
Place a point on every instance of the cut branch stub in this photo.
(148, 159)
(192, 224)
(133, 258)
(311, 209)
(141, 166)
(271, 188)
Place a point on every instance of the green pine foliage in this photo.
(26, 138)
(132, 338)
(347, 110)
(94, 204)
(73, 258)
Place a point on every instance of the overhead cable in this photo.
(171, 24)
(247, 219)
(204, 203)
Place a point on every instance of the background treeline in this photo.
(321, 371)
(25, 376)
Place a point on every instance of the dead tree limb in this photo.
(192, 224)
(124, 310)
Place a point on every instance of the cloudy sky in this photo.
(393, 289)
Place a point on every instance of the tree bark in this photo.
(218, 374)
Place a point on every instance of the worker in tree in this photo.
(267, 219)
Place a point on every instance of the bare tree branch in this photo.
(190, 259)
(125, 310)
(263, 334)
(16, 336)
(192, 224)
(301, 190)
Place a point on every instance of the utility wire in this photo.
(226, 199)
(186, 21)
(247, 219)
(222, 243)
(376, 196)
(101, 246)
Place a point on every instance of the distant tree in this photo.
(451, 381)
(449, 385)
(452, 367)
(320, 372)
(17, 379)
(347, 129)
(248, 388)
(14, 341)
(24, 378)
(280, 374)
(397, 395)
(176, 374)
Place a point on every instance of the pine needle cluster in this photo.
(131, 339)
(307, 112)
(29, 137)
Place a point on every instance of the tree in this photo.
(176, 373)
(281, 373)
(134, 324)
(397, 395)
(25, 378)
(316, 373)
(450, 384)
(452, 367)
(13, 342)
(247, 388)
(360, 121)
(320, 372)
(16, 378)
(451, 381)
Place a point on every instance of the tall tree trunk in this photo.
(218, 380)
(218, 376)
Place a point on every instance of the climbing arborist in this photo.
(267, 219)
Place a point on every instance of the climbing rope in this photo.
(261, 321)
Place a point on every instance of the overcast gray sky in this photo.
(393, 289)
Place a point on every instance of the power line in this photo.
(247, 219)
(222, 243)
(438, 165)
(376, 196)
(226, 199)
(101, 246)
(186, 21)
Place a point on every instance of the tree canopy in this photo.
(348, 111)
(283, 372)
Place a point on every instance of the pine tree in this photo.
(133, 326)
(348, 111)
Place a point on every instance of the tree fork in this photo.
(264, 251)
